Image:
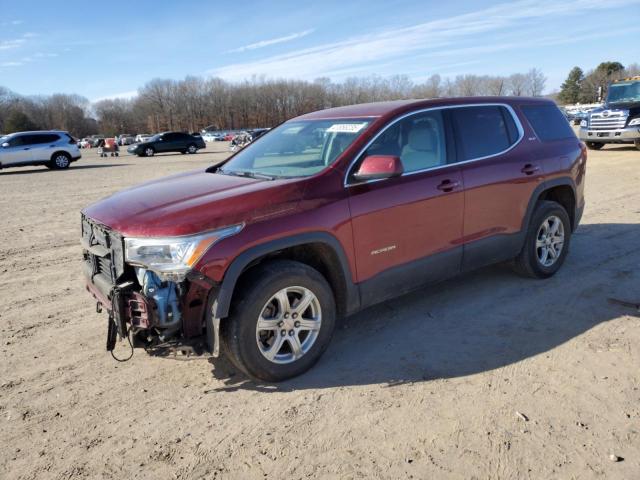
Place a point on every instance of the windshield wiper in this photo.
(243, 173)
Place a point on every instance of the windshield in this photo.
(298, 148)
(4, 139)
(624, 92)
(154, 138)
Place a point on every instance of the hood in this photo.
(194, 202)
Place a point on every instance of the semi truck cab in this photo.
(618, 120)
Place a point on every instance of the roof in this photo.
(37, 131)
(395, 107)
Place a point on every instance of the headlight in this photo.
(635, 121)
(584, 123)
(172, 257)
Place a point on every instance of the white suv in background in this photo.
(52, 148)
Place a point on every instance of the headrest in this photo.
(422, 137)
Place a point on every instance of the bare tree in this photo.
(517, 84)
(535, 82)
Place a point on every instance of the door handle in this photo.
(530, 169)
(448, 185)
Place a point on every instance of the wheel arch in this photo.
(561, 190)
(320, 250)
(58, 152)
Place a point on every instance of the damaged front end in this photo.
(153, 310)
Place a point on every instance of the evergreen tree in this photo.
(570, 89)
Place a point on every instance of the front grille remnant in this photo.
(103, 253)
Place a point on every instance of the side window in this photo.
(418, 140)
(482, 131)
(170, 137)
(548, 122)
(16, 141)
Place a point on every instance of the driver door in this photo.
(18, 152)
(407, 230)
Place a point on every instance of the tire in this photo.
(594, 145)
(531, 261)
(191, 149)
(60, 161)
(248, 348)
(637, 144)
(149, 152)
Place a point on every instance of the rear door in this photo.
(407, 230)
(18, 152)
(499, 175)
(43, 146)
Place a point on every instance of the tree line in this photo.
(196, 102)
(591, 87)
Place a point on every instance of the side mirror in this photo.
(376, 167)
(5, 145)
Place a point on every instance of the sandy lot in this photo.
(425, 386)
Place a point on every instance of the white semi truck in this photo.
(618, 120)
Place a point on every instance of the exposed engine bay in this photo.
(148, 311)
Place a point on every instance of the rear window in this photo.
(483, 131)
(548, 122)
(40, 139)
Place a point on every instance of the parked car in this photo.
(126, 139)
(257, 133)
(167, 142)
(85, 143)
(212, 136)
(52, 148)
(142, 137)
(259, 254)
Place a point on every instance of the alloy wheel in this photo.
(288, 325)
(61, 161)
(550, 241)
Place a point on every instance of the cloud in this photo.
(10, 64)
(273, 41)
(17, 22)
(30, 35)
(45, 55)
(9, 44)
(393, 44)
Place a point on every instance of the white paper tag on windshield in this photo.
(346, 127)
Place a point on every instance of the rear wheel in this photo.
(637, 144)
(192, 149)
(594, 145)
(547, 241)
(59, 161)
(281, 323)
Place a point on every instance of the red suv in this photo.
(327, 214)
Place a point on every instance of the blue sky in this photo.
(100, 52)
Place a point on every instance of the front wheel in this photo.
(149, 152)
(594, 145)
(547, 241)
(281, 323)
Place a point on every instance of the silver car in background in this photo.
(53, 148)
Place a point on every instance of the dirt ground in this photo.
(425, 386)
